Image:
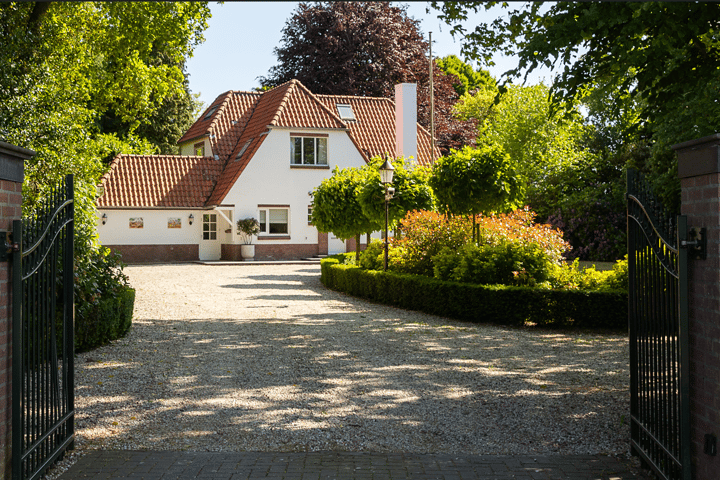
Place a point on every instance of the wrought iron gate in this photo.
(658, 316)
(42, 305)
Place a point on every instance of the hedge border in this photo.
(499, 304)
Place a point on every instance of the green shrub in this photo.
(572, 276)
(501, 263)
(506, 305)
(104, 301)
(373, 257)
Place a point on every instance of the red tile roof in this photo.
(159, 181)
(236, 124)
(374, 129)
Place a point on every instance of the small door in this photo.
(209, 242)
(335, 245)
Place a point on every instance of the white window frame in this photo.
(264, 214)
(209, 220)
(316, 141)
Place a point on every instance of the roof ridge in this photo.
(283, 100)
(219, 113)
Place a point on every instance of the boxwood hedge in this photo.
(499, 304)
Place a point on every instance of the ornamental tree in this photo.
(476, 180)
(412, 191)
(336, 207)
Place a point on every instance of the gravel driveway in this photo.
(264, 358)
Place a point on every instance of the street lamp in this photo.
(386, 177)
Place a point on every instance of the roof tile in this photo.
(159, 181)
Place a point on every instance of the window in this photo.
(274, 221)
(210, 112)
(199, 149)
(310, 215)
(345, 111)
(308, 150)
(242, 150)
(209, 226)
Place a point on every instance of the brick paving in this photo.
(155, 465)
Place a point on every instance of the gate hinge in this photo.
(9, 247)
(696, 243)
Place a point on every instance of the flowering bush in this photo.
(424, 235)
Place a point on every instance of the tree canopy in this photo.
(65, 66)
(469, 78)
(671, 48)
(366, 48)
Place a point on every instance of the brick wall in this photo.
(699, 171)
(11, 178)
(156, 253)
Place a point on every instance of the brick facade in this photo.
(699, 171)
(11, 178)
(156, 253)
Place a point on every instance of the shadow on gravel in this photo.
(348, 376)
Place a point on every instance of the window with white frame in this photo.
(310, 208)
(274, 221)
(308, 150)
(209, 226)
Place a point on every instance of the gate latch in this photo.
(9, 247)
(697, 243)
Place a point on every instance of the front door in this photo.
(335, 245)
(209, 242)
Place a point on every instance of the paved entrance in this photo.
(116, 465)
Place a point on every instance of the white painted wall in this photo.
(269, 180)
(155, 231)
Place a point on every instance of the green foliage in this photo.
(247, 227)
(502, 263)
(373, 257)
(476, 180)
(66, 65)
(469, 78)
(412, 191)
(481, 303)
(103, 298)
(572, 276)
(336, 207)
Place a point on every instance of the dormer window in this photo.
(308, 150)
(210, 112)
(345, 111)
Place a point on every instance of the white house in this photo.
(251, 154)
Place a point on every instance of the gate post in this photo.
(11, 179)
(699, 172)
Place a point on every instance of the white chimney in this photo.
(406, 120)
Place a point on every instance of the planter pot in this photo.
(247, 252)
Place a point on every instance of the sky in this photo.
(241, 36)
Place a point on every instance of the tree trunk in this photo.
(357, 249)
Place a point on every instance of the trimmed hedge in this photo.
(498, 304)
(108, 319)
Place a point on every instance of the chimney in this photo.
(406, 120)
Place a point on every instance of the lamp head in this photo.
(386, 172)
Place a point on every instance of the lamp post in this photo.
(386, 177)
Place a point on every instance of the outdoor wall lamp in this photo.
(104, 218)
(191, 218)
(386, 178)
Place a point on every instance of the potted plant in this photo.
(247, 227)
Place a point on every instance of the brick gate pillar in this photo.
(11, 179)
(699, 172)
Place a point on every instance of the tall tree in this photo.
(664, 54)
(365, 48)
(63, 65)
(470, 79)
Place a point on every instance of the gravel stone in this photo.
(265, 358)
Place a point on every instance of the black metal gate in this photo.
(658, 316)
(42, 305)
